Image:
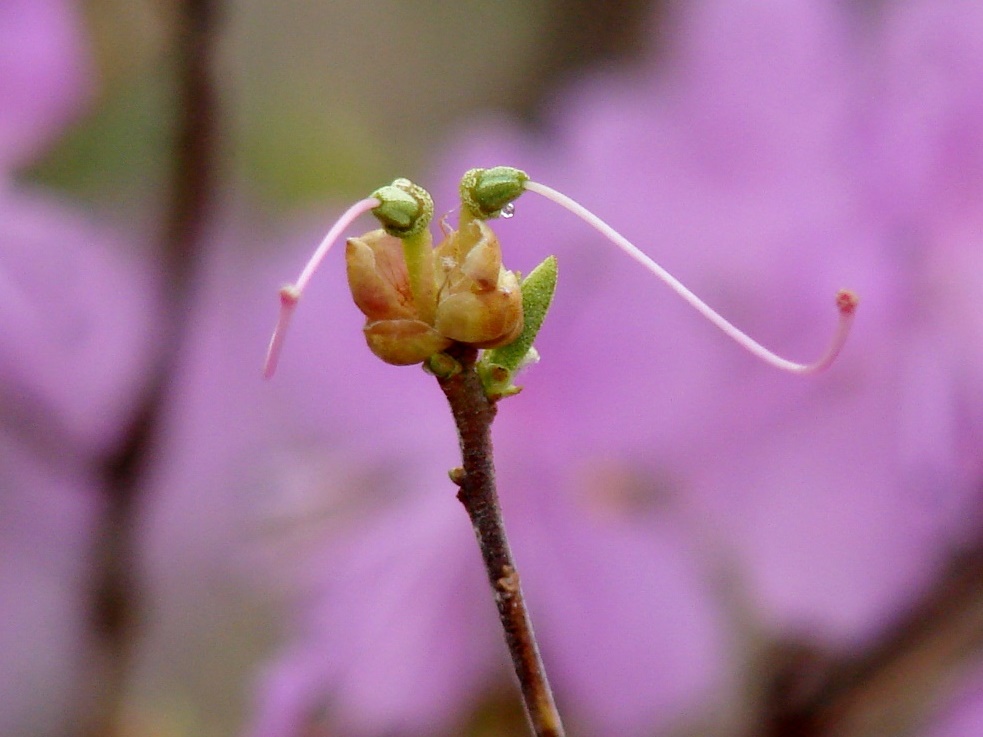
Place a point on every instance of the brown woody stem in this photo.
(117, 598)
(473, 414)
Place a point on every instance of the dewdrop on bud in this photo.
(490, 193)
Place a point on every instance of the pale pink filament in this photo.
(846, 301)
(290, 293)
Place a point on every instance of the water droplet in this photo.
(508, 211)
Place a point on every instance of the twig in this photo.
(473, 414)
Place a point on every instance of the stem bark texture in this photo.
(473, 414)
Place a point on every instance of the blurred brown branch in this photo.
(116, 595)
(893, 687)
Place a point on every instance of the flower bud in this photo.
(404, 342)
(379, 282)
(471, 299)
(480, 301)
(485, 192)
(405, 209)
(416, 307)
(377, 276)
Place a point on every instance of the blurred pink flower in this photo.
(45, 73)
(747, 167)
(46, 512)
(74, 339)
(664, 492)
(74, 324)
(339, 465)
(305, 467)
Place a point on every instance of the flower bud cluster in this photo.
(419, 300)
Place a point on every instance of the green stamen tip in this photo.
(405, 209)
(486, 192)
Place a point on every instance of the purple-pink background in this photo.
(675, 506)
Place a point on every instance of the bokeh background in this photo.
(707, 546)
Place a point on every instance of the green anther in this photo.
(498, 365)
(486, 192)
(406, 208)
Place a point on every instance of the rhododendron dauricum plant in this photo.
(419, 300)
(440, 306)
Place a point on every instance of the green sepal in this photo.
(498, 366)
(485, 192)
(442, 366)
(405, 209)
(496, 381)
